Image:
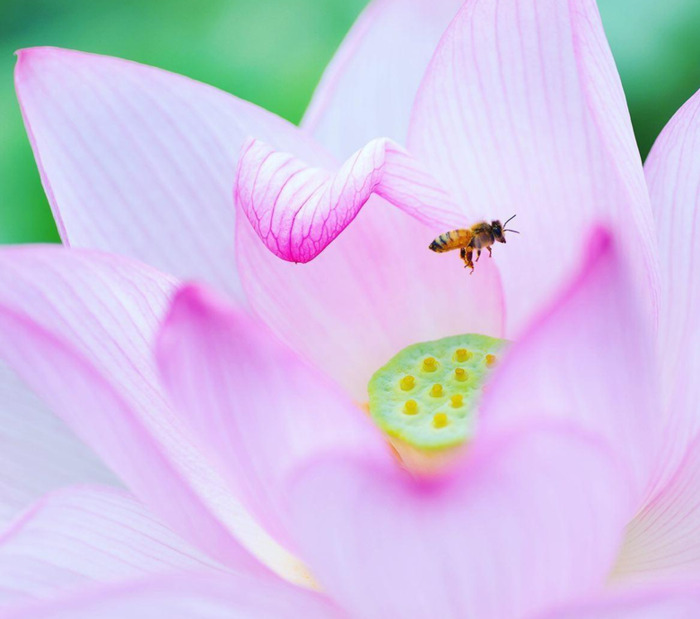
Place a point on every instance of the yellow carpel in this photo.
(439, 420)
(430, 364)
(462, 354)
(407, 383)
(411, 407)
(436, 390)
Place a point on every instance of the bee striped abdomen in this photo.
(454, 239)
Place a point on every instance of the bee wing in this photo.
(480, 228)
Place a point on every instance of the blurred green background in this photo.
(272, 52)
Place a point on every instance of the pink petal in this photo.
(588, 358)
(671, 602)
(673, 175)
(369, 87)
(77, 537)
(76, 328)
(531, 519)
(252, 402)
(663, 541)
(38, 452)
(522, 111)
(298, 210)
(140, 161)
(188, 596)
(377, 287)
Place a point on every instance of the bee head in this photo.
(497, 230)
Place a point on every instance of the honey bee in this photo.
(468, 240)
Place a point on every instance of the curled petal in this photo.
(299, 210)
(374, 290)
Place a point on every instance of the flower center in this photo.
(426, 397)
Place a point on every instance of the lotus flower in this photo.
(257, 484)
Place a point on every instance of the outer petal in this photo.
(494, 539)
(252, 401)
(76, 327)
(522, 111)
(298, 211)
(673, 175)
(663, 541)
(588, 358)
(77, 537)
(660, 603)
(139, 161)
(377, 287)
(369, 87)
(38, 452)
(190, 596)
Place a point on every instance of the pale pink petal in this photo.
(252, 402)
(663, 541)
(77, 328)
(99, 415)
(188, 596)
(140, 161)
(673, 175)
(80, 536)
(522, 111)
(532, 518)
(298, 210)
(38, 452)
(377, 287)
(670, 602)
(588, 358)
(368, 89)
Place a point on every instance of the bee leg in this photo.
(466, 255)
(489, 251)
(478, 255)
